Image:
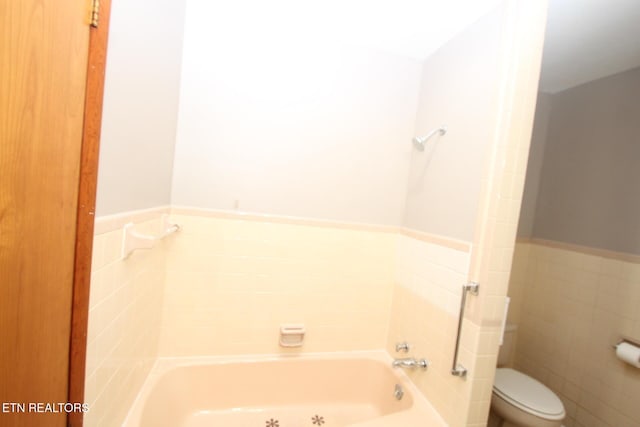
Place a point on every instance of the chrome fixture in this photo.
(398, 392)
(420, 141)
(410, 363)
(402, 347)
(457, 369)
(623, 339)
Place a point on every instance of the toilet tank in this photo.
(508, 345)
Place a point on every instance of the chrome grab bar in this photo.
(457, 369)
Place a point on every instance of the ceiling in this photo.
(585, 39)
(413, 28)
(589, 39)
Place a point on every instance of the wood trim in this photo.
(44, 53)
(86, 208)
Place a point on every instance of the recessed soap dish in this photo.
(291, 335)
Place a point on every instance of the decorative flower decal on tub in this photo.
(317, 420)
(272, 423)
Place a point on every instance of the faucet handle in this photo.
(402, 347)
(423, 363)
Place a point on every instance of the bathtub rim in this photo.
(163, 365)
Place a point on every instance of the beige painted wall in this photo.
(301, 126)
(458, 90)
(534, 165)
(140, 105)
(590, 176)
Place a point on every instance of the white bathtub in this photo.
(321, 390)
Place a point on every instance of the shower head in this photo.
(420, 141)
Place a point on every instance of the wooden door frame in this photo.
(87, 186)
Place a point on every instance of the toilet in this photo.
(520, 400)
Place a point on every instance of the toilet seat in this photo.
(527, 394)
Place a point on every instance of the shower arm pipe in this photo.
(420, 141)
(457, 369)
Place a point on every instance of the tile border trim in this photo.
(105, 224)
(587, 250)
(448, 242)
(280, 219)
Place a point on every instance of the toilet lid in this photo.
(528, 394)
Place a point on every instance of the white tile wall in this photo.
(571, 308)
(429, 279)
(231, 283)
(124, 318)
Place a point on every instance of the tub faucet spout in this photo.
(410, 363)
